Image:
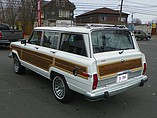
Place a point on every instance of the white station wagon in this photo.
(96, 61)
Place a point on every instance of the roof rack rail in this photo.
(105, 25)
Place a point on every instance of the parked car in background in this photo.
(96, 61)
(7, 35)
(139, 34)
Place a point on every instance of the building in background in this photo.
(57, 12)
(150, 28)
(104, 16)
(143, 27)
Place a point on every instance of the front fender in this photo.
(14, 53)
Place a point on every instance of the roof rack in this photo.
(105, 25)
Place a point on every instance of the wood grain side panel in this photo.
(45, 62)
(113, 68)
(37, 59)
(69, 67)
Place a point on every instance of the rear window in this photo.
(111, 40)
(4, 27)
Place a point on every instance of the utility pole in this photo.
(132, 24)
(132, 16)
(2, 12)
(121, 6)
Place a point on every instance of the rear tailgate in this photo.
(115, 67)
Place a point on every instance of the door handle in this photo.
(36, 47)
(53, 52)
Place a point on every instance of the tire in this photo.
(18, 68)
(136, 38)
(60, 89)
(148, 38)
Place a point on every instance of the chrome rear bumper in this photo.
(103, 93)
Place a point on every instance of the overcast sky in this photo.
(145, 10)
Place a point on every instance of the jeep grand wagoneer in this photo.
(96, 61)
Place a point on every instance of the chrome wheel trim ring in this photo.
(16, 65)
(58, 87)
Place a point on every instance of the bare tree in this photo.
(18, 10)
(137, 21)
(154, 20)
(27, 12)
(2, 11)
(11, 12)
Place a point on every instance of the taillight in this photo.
(23, 35)
(85, 74)
(95, 81)
(144, 69)
(0, 34)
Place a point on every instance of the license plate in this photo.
(121, 78)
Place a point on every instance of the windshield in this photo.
(111, 40)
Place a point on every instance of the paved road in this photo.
(29, 95)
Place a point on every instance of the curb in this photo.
(154, 36)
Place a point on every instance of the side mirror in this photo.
(23, 41)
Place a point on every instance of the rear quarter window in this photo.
(4, 27)
(73, 43)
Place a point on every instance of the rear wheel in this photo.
(18, 68)
(60, 89)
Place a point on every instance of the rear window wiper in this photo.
(122, 50)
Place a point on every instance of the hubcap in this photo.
(16, 65)
(58, 87)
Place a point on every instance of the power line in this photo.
(139, 8)
(141, 3)
(94, 3)
(142, 13)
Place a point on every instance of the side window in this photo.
(35, 38)
(143, 33)
(50, 39)
(73, 43)
(57, 3)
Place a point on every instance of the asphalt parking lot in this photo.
(29, 95)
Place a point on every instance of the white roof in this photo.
(82, 29)
(67, 29)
